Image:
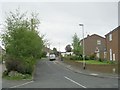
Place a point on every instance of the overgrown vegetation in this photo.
(77, 48)
(98, 62)
(68, 48)
(22, 42)
(89, 59)
(17, 76)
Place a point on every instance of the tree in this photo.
(68, 48)
(77, 49)
(55, 51)
(21, 39)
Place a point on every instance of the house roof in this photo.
(118, 28)
(97, 36)
(92, 36)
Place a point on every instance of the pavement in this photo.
(87, 72)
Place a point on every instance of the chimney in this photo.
(88, 35)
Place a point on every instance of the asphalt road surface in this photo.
(50, 74)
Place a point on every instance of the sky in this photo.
(60, 20)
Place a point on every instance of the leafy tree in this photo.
(21, 39)
(68, 48)
(77, 49)
(55, 51)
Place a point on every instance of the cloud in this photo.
(59, 21)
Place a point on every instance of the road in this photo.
(50, 74)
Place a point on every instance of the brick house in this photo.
(95, 44)
(112, 44)
(47, 50)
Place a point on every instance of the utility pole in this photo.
(84, 65)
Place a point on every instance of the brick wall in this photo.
(94, 67)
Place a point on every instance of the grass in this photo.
(96, 62)
(18, 77)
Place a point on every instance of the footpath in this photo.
(77, 69)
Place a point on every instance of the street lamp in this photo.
(59, 51)
(49, 50)
(59, 46)
(83, 46)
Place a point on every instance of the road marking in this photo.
(54, 62)
(22, 84)
(68, 66)
(94, 74)
(75, 82)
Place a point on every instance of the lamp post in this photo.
(84, 65)
(59, 46)
(59, 51)
(49, 50)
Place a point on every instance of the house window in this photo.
(110, 37)
(110, 54)
(113, 57)
(98, 42)
(105, 55)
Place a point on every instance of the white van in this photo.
(52, 57)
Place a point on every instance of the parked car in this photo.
(52, 57)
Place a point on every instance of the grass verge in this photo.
(96, 62)
(18, 77)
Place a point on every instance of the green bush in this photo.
(79, 58)
(28, 66)
(100, 59)
(25, 66)
(67, 57)
(44, 54)
(111, 62)
(87, 58)
(75, 57)
(93, 57)
(12, 64)
(5, 73)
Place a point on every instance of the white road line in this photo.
(75, 82)
(54, 62)
(22, 84)
(94, 74)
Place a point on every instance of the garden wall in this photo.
(108, 68)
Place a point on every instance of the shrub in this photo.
(12, 63)
(87, 58)
(25, 66)
(66, 58)
(93, 57)
(111, 62)
(75, 57)
(44, 54)
(5, 73)
(28, 65)
(100, 59)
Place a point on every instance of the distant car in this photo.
(52, 57)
